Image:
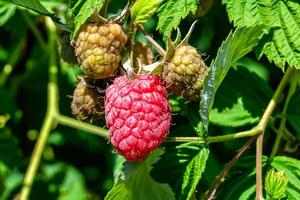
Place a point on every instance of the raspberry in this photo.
(185, 72)
(137, 114)
(87, 104)
(99, 48)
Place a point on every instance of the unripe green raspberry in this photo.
(88, 103)
(184, 72)
(99, 49)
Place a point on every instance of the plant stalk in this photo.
(229, 165)
(214, 139)
(68, 121)
(262, 126)
(50, 118)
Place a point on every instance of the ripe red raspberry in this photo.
(137, 114)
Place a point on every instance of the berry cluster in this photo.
(136, 106)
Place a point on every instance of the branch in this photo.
(68, 121)
(262, 125)
(224, 172)
(50, 118)
(214, 139)
(259, 129)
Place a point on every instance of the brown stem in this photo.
(224, 172)
(259, 153)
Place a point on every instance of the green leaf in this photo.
(291, 168)
(7, 10)
(36, 6)
(241, 181)
(235, 46)
(172, 12)
(282, 19)
(73, 186)
(181, 167)
(193, 174)
(11, 181)
(142, 10)
(137, 184)
(85, 12)
(241, 99)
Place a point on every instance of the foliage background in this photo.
(79, 165)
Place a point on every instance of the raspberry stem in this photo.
(71, 122)
(214, 139)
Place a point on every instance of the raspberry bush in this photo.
(147, 100)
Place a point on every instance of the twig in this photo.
(49, 122)
(262, 125)
(224, 172)
(68, 121)
(214, 139)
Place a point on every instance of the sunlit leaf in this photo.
(136, 183)
(236, 45)
(241, 99)
(142, 10)
(281, 17)
(172, 12)
(85, 11)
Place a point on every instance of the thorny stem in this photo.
(50, 119)
(262, 125)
